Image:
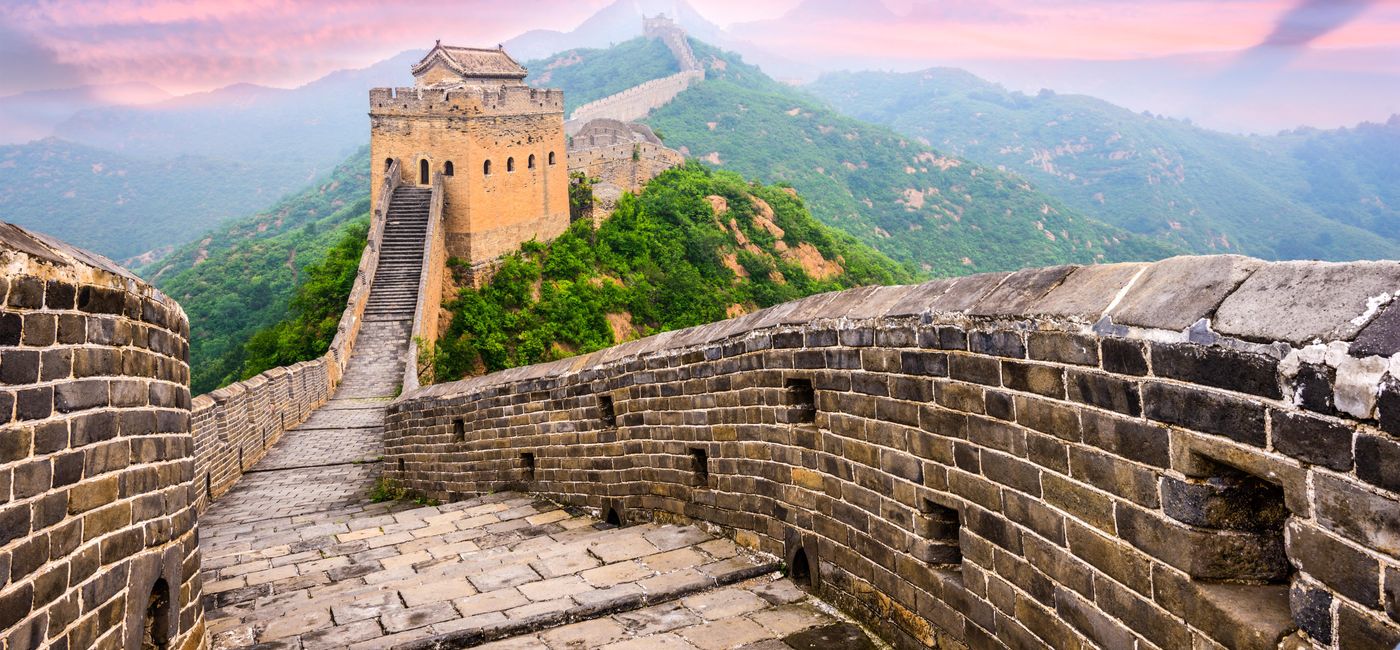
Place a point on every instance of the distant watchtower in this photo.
(498, 143)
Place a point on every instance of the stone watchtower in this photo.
(498, 144)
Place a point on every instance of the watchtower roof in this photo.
(473, 62)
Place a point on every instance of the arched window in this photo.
(532, 161)
(551, 157)
(510, 164)
(423, 172)
(388, 162)
(447, 168)
(486, 168)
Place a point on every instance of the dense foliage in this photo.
(664, 260)
(1301, 194)
(241, 278)
(946, 214)
(316, 308)
(588, 74)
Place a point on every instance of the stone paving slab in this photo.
(490, 567)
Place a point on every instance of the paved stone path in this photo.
(296, 557)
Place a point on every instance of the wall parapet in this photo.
(465, 100)
(1193, 452)
(98, 537)
(638, 101)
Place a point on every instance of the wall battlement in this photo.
(1194, 452)
(465, 101)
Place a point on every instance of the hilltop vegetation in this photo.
(242, 278)
(696, 246)
(588, 74)
(945, 214)
(1300, 194)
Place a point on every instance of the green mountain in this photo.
(696, 246)
(588, 74)
(1301, 194)
(942, 213)
(241, 278)
(121, 206)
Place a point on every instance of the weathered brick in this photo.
(1378, 461)
(975, 369)
(1205, 412)
(59, 295)
(1363, 631)
(1226, 502)
(1312, 610)
(1104, 391)
(1206, 555)
(1001, 343)
(1124, 357)
(1312, 439)
(1061, 347)
(924, 363)
(1047, 381)
(1234, 370)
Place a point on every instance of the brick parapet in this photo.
(96, 457)
(1195, 452)
(464, 101)
(636, 102)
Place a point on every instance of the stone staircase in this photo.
(395, 292)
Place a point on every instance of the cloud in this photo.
(1310, 20)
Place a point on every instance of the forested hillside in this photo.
(696, 246)
(1301, 194)
(241, 278)
(121, 206)
(588, 74)
(946, 214)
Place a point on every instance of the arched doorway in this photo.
(423, 172)
(156, 635)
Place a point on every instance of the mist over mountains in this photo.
(178, 166)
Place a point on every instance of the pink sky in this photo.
(185, 46)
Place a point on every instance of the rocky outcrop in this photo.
(1194, 452)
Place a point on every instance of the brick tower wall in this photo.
(97, 494)
(486, 215)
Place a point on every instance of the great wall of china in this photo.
(1202, 452)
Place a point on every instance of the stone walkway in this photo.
(297, 557)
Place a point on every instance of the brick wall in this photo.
(1200, 452)
(97, 521)
(628, 165)
(638, 101)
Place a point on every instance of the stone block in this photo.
(1312, 610)
(1358, 514)
(1061, 347)
(1018, 292)
(1357, 630)
(1124, 356)
(1340, 566)
(1312, 439)
(1380, 337)
(965, 292)
(1104, 391)
(1234, 370)
(1000, 343)
(1047, 381)
(1088, 291)
(1298, 302)
(1225, 502)
(1378, 461)
(1207, 412)
(1132, 439)
(1175, 293)
(1204, 555)
(975, 369)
